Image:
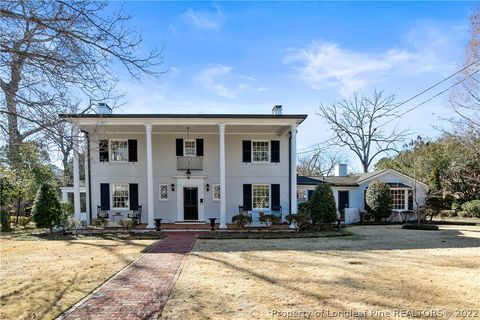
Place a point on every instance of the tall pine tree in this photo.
(46, 211)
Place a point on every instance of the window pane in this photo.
(119, 150)
(120, 196)
(261, 196)
(260, 151)
(398, 198)
(190, 148)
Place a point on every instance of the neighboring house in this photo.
(187, 167)
(349, 190)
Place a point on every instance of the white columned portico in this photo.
(150, 211)
(76, 174)
(293, 169)
(223, 204)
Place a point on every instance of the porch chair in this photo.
(102, 213)
(136, 214)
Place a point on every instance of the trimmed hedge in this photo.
(472, 208)
(423, 226)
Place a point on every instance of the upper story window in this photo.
(119, 150)
(189, 148)
(398, 199)
(260, 196)
(260, 151)
(120, 196)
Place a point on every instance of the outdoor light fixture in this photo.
(188, 174)
(173, 187)
(207, 186)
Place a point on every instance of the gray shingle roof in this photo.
(352, 181)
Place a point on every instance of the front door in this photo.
(190, 203)
(342, 200)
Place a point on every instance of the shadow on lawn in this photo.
(323, 293)
(364, 238)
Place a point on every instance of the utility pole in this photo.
(414, 144)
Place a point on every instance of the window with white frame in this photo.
(119, 150)
(189, 148)
(260, 151)
(163, 192)
(120, 196)
(216, 192)
(398, 198)
(260, 196)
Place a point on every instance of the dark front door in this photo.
(190, 203)
(343, 200)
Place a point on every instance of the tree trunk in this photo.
(14, 138)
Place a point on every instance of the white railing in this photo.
(192, 163)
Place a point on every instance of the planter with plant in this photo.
(269, 220)
(241, 220)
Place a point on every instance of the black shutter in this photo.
(133, 193)
(365, 205)
(105, 196)
(132, 150)
(247, 197)
(103, 148)
(275, 197)
(274, 151)
(179, 147)
(410, 200)
(309, 194)
(199, 147)
(247, 151)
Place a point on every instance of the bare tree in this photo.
(465, 98)
(53, 52)
(320, 162)
(355, 123)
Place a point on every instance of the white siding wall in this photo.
(357, 193)
(164, 170)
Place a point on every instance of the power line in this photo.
(429, 99)
(312, 147)
(437, 84)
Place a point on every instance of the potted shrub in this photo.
(241, 220)
(269, 220)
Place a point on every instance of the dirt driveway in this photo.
(381, 272)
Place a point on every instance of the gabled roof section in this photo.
(349, 181)
(309, 181)
(368, 175)
(375, 174)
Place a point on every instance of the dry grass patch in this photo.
(40, 279)
(382, 268)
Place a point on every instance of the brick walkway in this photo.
(141, 290)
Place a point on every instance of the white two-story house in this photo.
(186, 167)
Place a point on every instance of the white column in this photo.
(223, 204)
(76, 174)
(87, 182)
(293, 169)
(64, 196)
(150, 211)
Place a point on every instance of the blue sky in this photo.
(245, 57)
